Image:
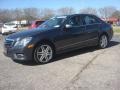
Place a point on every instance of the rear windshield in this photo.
(39, 22)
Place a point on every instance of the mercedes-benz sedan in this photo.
(58, 35)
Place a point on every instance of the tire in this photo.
(103, 41)
(43, 53)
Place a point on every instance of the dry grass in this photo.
(116, 29)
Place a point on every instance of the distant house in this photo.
(20, 22)
(112, 20)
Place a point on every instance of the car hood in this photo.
(25, 33)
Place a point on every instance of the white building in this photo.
(20, 22)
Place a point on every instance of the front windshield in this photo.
(53, 22)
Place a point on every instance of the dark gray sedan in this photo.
(58, 35)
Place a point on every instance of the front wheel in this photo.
(43, 53)
(103, 41)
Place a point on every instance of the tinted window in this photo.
(90, 20)
(39, 22)
(75, 21)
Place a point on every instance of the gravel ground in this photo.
(84, 69)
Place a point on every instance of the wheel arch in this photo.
(104, 33)
(46, 41)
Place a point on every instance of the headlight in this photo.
(23, 42)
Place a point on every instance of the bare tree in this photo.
(116, 14)
(66, 11)
(5, 15)
(18, 14)
(46, 13)
(31, 13)
(107, 12)
(89, 11)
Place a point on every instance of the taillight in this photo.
(33, 26)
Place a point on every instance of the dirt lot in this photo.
(84, 69)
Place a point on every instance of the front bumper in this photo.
(19, 54)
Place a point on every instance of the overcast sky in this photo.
(55, 4)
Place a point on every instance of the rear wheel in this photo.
(103, 41)
(43, 53)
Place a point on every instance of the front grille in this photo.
(9, 42)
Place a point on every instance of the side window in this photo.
(75, 21)
(90, 20)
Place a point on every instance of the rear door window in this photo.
(88, 20)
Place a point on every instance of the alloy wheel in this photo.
(103, 41)
(43, 53)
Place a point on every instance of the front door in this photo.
(74, 35)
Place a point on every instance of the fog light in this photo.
(19, 56)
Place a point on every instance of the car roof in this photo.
(81, 15)
(77, 15)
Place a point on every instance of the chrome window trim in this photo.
(86, 25)
(92, 24)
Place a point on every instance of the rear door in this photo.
(92, 29)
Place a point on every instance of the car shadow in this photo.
(82, 51)
(68, 54)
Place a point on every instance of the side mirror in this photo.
(68, 26)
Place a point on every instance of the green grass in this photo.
(116, 29)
